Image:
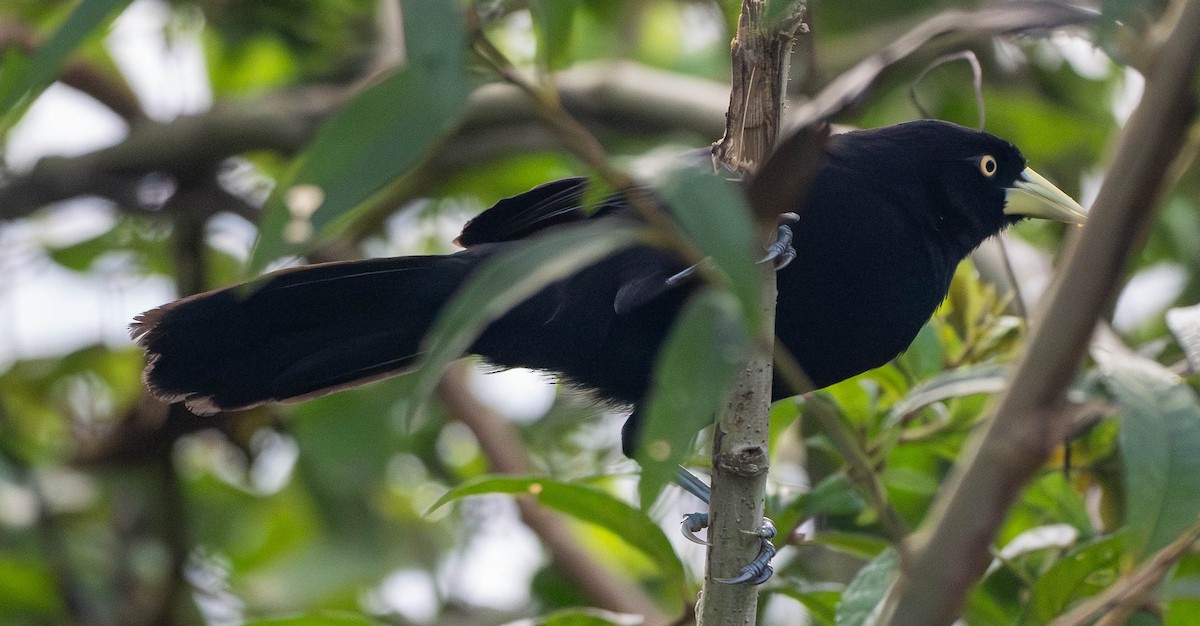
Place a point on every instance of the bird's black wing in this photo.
(551, 204)
(562, 202)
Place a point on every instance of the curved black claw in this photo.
(781, 251)
(759, 570)
(693, 522)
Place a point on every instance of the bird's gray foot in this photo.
(691, 523)
(781, 251)
(755, 572)
(759, 570)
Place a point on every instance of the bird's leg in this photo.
(780, 250)
(757, 571)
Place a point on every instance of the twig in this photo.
(976, 81)
(1021, 434)
(500, 443)
(740, 456)
(105, 87)
(998, 19)
(500, 119)
(587, 148)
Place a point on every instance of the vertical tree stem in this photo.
(740, 458)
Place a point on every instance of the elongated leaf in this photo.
(1159, 441)
(588, 504)
(507, 280)
(589, 617)
(703, 352)
(322, 618)
(1182, 593)
(374, 139)
(862, 600)
(858, 544)
(821, 601)
(1081, 573)
(553, 21)
(952, 384)
(23, 78)
(835, 495)
(714, 214)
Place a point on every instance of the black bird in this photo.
(887, 220)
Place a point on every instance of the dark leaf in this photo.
(703, 352)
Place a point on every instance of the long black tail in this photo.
(296, 334)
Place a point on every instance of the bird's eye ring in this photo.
(987, 165)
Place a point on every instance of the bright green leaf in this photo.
(588, 504)
(836, 495)
(820, 601)
(373, 139)
(1080, 574)
(588, 617)
(1182, 593)
(862, 599)
(23, 78)
(323, 618)
(27, 586)
(553, 19)
(950, 384)
(858, 544)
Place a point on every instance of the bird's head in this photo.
(959, 181)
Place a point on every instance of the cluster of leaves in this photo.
(360, 491)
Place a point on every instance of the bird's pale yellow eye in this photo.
(987, 165)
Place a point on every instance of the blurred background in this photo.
(139, 176)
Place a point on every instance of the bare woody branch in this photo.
(499, 441)
(1020, 435)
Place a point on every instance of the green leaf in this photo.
(588, 504)
(373, 139)
(27, 587)
(857, 544)
(1182, 593)
(1080, 574)
(22, 78)
(323, 618)
(507, 280)
(1159, 442)
(835, 495)
(780, 9)
(955, 383)
(552, 20)
(820, 601)
(862, 598)
(714, 214)
(588, 617)
(1049, 499)
(704, 350)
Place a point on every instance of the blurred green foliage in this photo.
(113, 510)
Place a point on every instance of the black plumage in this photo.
(888, 217)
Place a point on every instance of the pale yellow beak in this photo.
(1034, 196)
